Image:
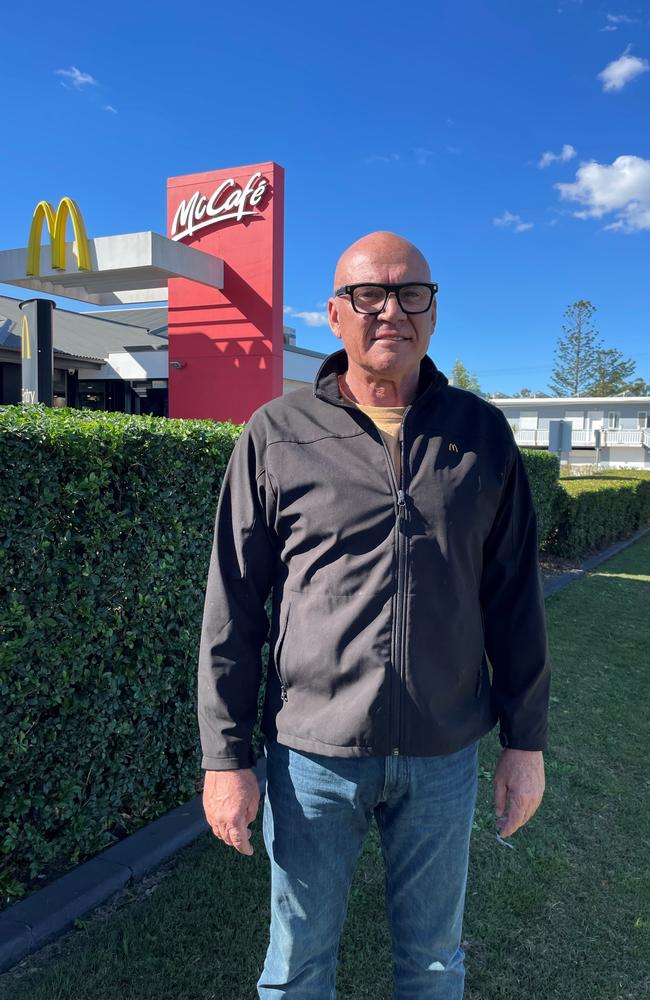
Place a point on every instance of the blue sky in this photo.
(429, 119)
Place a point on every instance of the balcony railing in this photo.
(609, 438)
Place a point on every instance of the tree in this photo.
(638, 387)
(611, 373)
(576, 353)
(461, 378)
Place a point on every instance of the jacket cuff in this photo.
(521, 743)
(231, 763)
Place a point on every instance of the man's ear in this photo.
(333, 315)
(434, 314)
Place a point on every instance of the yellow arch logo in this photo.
(25, 347)
(57, 222)
(452, 446)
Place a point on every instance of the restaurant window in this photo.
(92, 396)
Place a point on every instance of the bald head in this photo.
(381, 256)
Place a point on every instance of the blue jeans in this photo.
(317, 812)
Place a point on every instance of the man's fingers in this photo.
(230, 802)
(517, 816)
(518, 788)
(251, 812)
(500, 795)
(240, 839)
(234, 836)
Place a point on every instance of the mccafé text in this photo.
(228, 201)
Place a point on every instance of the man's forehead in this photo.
(381, 260)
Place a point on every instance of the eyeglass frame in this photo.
(388, 288)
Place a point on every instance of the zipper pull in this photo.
(284, 692)
(401, 503)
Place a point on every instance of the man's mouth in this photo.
(391, 336)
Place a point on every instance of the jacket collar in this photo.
(326, 384)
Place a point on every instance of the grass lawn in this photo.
(563, 914)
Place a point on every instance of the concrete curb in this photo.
(552, 586)
(29, 924)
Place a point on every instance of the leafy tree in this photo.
(576, 353)
(637, 387)
(461, 378)
(612, 373)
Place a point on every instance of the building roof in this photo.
(154, 320)
(150, 318)
(565, 400)
(94, 334)
(79, 335)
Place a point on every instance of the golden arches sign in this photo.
(25, 346)
(57, 222)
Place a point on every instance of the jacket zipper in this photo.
(399, 645)
(402, 558)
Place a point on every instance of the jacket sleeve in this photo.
(512, 602)
(235, 623)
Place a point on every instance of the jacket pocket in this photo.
(277, 654)
(483, 666)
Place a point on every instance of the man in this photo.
(391, 515)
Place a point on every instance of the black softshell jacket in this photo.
(406, 619)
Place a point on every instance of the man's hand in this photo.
(230, 801)
(519, 784)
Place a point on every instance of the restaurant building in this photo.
(117, 359)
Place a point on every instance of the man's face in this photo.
(392, 343)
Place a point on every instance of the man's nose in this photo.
(392, 307)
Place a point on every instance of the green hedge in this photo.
(596, 510)
(543, 470)
(105, 532)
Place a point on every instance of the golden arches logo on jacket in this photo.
(57, 221)
(25, 346)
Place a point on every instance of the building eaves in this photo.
(565, 400)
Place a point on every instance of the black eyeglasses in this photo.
(371, 298)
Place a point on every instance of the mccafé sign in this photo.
(227, 201)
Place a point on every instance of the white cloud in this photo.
(567, 153)
(109, 107)
(622, 188)
(422, 155)
(621, 19)
(382, 158)
(619, 72)
(77, 78)
(514, 222)
(310, 318)
(609, 27)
